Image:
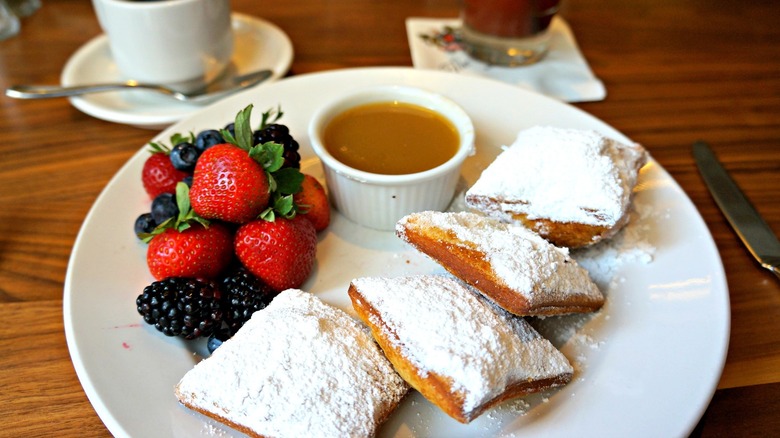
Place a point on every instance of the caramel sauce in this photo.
(391, 138)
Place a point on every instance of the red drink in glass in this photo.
(507, 32)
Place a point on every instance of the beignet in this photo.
(460, 351)
(511, 265)
(297, 368)
(573, 187)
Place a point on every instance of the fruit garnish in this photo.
(188, 245)
(244, 177)
(184, 218)
(228, 186)
(184, 156)
(174, 139)
(196, 252)
(144, 224)
(183, 307)
(312, 202)
(158, 174)
(164, 207)
(243, 294)
(270, 116)
(207, 138)
(280, 253)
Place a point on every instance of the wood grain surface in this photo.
(675, 72)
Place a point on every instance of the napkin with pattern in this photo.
(563, 73)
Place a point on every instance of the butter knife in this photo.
(743, 217)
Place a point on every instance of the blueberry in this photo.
(217, 338)
(231, 128)
(164, 207)
(144, 224)
(184, 156)
(207, 139)
(187, 180)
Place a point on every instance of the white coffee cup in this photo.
(177, 42)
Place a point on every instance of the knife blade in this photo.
(743, 217)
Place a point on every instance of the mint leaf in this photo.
(288, 180)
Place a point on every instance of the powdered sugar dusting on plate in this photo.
(604, 263)
(630, 245)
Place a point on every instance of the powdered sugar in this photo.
(603, 262)
(630, 245)
(520, 258)
(565, 175)
(297, 368)
(444, 326)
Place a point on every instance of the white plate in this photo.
(258, 44)
(647, 364)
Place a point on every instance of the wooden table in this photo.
(675, 71)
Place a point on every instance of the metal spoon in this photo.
(202, 94)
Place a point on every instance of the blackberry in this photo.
(278, 133)
(243, 295)
(183, 307)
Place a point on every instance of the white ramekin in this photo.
(379, 201)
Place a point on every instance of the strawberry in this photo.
(239, 181)
(159, 176)
(188, 245)
(313, 202)
(197, 252)
(229, 185)
(279, 252)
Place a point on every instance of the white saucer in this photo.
(257, 44)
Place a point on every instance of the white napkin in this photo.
(563, 73)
